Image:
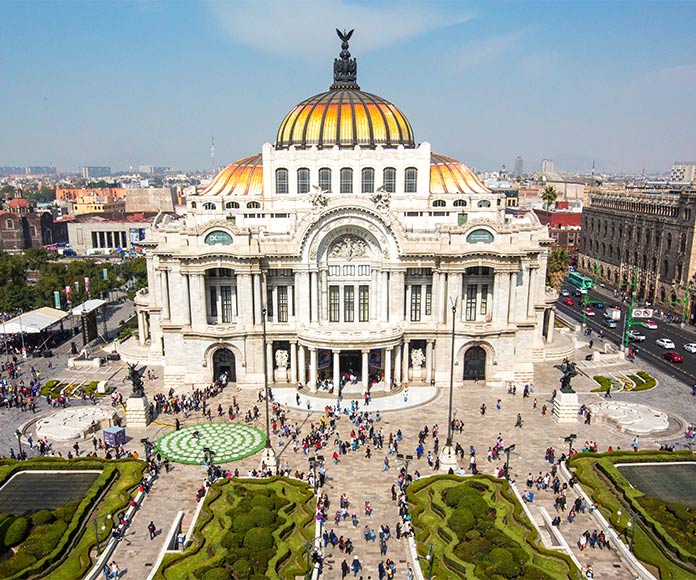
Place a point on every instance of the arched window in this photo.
(665, 269)
(411, 180)
(439, 203)
(253, 205)
(389, 179)
(368, 180)
(459, 203)
(483, 203)
(209, 206)
(662, 294)
(231, 205)
(346, 180)
(669, 241)
(281, 180)
(303, 180)
(193, 205)
(325, 179)
(32, 231)
(480, 237)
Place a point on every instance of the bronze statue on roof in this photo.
(345, 68)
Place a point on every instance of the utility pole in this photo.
(586, 296)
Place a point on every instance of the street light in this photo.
(448, 457)
(507, 460)
(569, 440)
(631, 524)
(18, 434)
(103, 528)
(268, 455)
(429, 557)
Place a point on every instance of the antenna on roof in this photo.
(212, 152)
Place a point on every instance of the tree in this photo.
(557, 267)
(548, 196)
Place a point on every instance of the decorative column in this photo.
(257, 298)
(374, 294)
(274, 299)
(302, 370)
(384, 295)
(396, 296)
(269, 361)
(293, 362)
(166, 313)
(324, 292)
(442, 299)
(531, 292)
(336, 368)
(405, 354)
(387, 368)
(512, 298)
(313, 370)
(314, 305)
(429, 361)
(245, 296)
(500, 293)
(552, 322)
(397, 365)
(435, 306)
(141, 328)
(187, 299)
(365, 366)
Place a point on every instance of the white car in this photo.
(565, 293)
(636, 336)
(690, 347)
(664, 343)
(651, 324)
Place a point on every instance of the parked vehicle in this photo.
(690, 347)
(673, 356)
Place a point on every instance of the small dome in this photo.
(243, 177)
(448, 175)
(345, 117)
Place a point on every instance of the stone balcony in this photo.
(351, 338)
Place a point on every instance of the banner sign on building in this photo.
(642, 312)
(56, 299)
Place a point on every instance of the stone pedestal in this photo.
(138, 412)
(268, 458)
(565, 407)
(448, 459)
(281, 375)
(417, 374)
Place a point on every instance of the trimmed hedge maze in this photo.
(248, 529)
(664, 536)
(56, 543)
(479, 530)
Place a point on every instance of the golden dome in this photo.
(345, 117)
(243, 177)
(448, 175)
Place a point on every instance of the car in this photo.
(636, 336)
(690, 347)
(664, 343)
(598, 305)
(609, 323)
(589, 311)
(579, 292)
(673, 356)
(564, 292)
(651, 324)
(569, 302)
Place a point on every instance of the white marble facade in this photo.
(356, 253)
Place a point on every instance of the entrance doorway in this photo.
(475, 364)
(224, 362)
(351, 362)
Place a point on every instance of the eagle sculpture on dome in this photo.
(345, 36)
(345, 68)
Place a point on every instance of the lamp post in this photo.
(18, 434)
(569, 440)
(631, 524)
(103, 528)
(268, 455)
(429, 558)
(313, 462)
(448, 457)
(507, 450)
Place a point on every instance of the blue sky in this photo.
(150, 81)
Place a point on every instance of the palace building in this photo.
(342, 248)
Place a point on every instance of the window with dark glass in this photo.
(368, 180)
(389, 179)
(439, 203)
(471, 301)
(411, 180)
(226, 303)
(346, 180)
(484, 299)
(213, 301)
(269, 303)
(364, 303)
(428, 300)
(281, 180)
(334, 304)
(282, 303)
(303, 180)
(348, 304)
(325, 179)
(415, 303)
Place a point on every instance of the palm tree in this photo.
(548, 196)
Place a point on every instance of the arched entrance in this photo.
(224, 362)
(475, 364)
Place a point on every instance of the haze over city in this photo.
(123, 84)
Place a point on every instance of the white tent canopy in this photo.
(88, 306)
(33, 322)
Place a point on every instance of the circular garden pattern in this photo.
(228, 441)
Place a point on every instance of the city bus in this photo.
(580, 281)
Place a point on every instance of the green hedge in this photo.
(604, 384)
(649, 382)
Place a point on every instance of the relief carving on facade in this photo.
(281, 359)
(381, 199)
(349, 247)
(318, 197)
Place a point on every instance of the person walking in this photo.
(151, 528)
(115, 570)
(356, 566)
(345, 569)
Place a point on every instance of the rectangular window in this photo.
(226, 303)
(303, 180)
(428, 300)
(349, 270)
(281, 180)
(325, 179)
(334, 270)
(346, 180)
(348, 304)
(269, 302)
(282, 303)
(484, 299)
(94, 240)
(213, 302)
(368, 180)
(334, 304)
(415, 303)
(389, 179)
(471, 301)
(411, 180)
(364, 303)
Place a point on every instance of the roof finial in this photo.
(345, 68)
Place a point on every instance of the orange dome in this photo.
(243, 177)
(448, 175)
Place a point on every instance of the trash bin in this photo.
(73, 348)
(531, 497)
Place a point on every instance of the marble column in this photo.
(166, 312)
(531, 292)
(435, 305)
(187, 299)
(374, 295)
(245, 298)
(257, 298)
(405, 361)
(512, 298)
(141, 328)
(302, 365)
(324, 293)
(313, 370)
(269, 362)
(552, 322)
(293, 362)
(314, 305)
(443, 306)
(336, 368)
(388, 367)
(429, 361)
(365, 367)
(274, 299)
(501, 291)
(397, 364)
(384, 297)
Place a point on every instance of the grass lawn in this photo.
(479, 530)
(249, 528)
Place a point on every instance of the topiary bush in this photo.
(217, 574)
(16, 532)
(461, 520)
(263, 517)
(42, 517)
(258, 539)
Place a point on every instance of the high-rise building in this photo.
(547, 166)
(683, 171)
(94, 171)
(519, 166)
